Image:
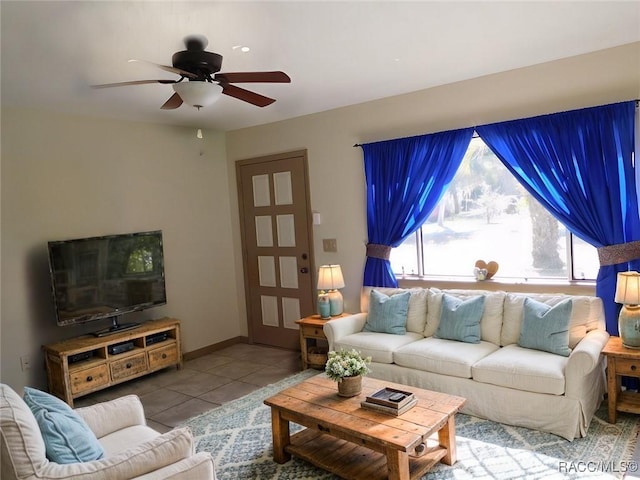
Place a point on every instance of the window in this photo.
(486, 214)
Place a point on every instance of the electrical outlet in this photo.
(329, 245)
(25, 362)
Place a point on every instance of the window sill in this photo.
(582, 287)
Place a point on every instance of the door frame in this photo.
(309, 228)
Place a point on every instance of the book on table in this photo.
(389, 410)
(390, 400)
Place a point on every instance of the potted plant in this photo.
(347, 368)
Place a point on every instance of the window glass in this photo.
(585, 260)
(404, 259)
(485, 214)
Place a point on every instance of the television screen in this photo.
(102, 277)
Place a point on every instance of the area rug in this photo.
(238, 435)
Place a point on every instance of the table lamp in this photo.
(329, 281)
(628, 293)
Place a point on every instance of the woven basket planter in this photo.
(350, 386)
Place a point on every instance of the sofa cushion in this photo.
(460, 319)
(387, 314)
(23, 451)
(523, 369)
(445, 357)
(378, 346)
(67, 438)
(586, 314)
(491, 322)
(417, 312)
(545, 327)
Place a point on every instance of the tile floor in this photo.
(172, 396)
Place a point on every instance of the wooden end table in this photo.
(621, 361)
(357, 443)
(311, 330)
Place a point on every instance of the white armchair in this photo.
(132, 449)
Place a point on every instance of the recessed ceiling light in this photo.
(242, 48)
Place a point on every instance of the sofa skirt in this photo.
(558, 414)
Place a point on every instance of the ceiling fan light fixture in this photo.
(197, 93)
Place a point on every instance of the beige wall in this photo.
(67, 177)
(336, 172)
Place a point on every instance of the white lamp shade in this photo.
(330, 277)
(198, 94)
(628, 288)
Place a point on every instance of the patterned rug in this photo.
(238, 435)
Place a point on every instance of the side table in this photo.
(621, 361)
(310, 332)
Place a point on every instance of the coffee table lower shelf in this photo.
(348, 460)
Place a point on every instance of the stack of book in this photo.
(389, 400)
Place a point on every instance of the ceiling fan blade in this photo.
(167, 68)
(248, 77)
(134, 82)
(174, 102)
(246, 95)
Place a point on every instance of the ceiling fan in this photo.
(200, 84)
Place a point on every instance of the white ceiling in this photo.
(337, 53)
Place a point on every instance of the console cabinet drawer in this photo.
(628, 366)
(89, 378)
(163, 356)
(129, 366)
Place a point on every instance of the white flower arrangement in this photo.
(346, 364)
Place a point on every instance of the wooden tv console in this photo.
(86, 364)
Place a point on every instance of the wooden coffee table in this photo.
(357, 443)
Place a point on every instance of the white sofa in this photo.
(501, 381)
(132, 449)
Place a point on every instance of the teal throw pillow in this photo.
(67, 437)
(460, 319)
(387, 314)
(545, 327)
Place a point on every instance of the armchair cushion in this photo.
(113, 415)
(67, 438)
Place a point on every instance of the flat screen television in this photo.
(105, 277)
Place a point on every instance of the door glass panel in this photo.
(282, 188)
(269, 310)
(291, 312)
(288, 272)
(267, 271)
(264, 232)
(261, 197)
(286, 231)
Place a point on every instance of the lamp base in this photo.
(324, 307)
(336, 303)
(629, 326)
